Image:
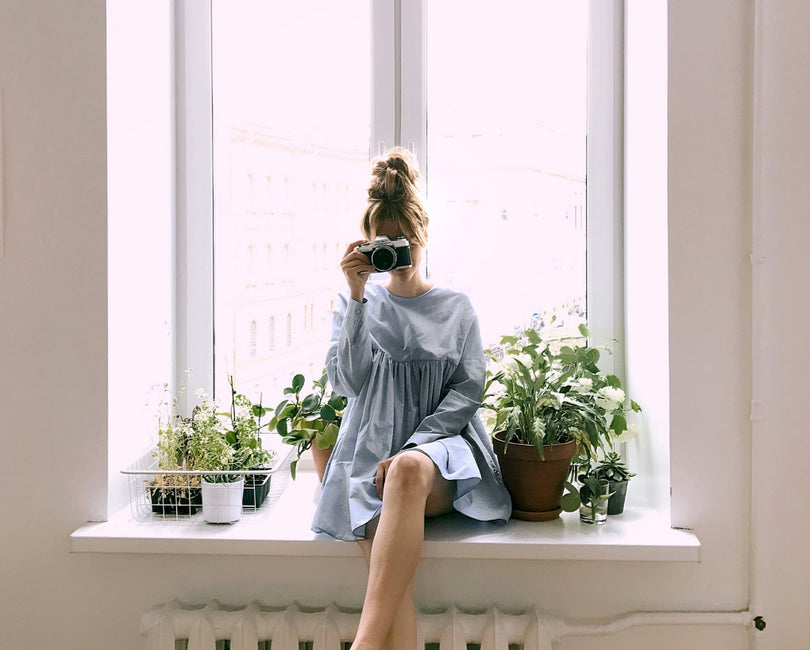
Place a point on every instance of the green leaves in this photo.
(314, 419)
(311, 402)
(281, 409)
(328, 413)
(259, 411)
(298, 383)
(570, 501)
(618, 424)
(224, 441)
(328, 437)
(337, 402)
(546, 392)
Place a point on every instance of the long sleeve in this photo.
(348, 361)
(463, 397)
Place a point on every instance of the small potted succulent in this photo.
(309, 422)
(615, 472)
(549, 402)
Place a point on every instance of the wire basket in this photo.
(176, 495)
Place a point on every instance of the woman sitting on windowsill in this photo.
(409, 357)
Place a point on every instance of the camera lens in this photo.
(384, 258)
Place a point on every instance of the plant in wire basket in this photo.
(228, 441)
(224, 445)
(173, 493)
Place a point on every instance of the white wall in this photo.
(53, 358)
(781, 218)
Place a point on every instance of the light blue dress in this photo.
(413, 370)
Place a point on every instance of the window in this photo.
(304, 94)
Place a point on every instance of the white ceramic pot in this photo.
(222, 502)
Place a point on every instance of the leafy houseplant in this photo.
(547, 395)
(314, 418)
(613, 469)
(226, 443)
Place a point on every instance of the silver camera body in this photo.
(385, 254)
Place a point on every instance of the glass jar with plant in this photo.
(594, 494)
(550, 400)
(314, 418)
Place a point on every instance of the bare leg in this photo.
(402, 633)
(413, 488)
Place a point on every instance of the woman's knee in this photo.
(412, 470)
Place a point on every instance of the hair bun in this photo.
(394, 196)
(390, 182)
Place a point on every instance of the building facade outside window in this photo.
(302, 92)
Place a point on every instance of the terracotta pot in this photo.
(535, 485)
(321, 457)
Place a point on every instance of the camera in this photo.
(387, 255)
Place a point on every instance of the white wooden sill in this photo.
(640, 534)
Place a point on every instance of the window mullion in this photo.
(194, 243)
(413, 80)
(605, 164)
(384, 75)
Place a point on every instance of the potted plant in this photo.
(594, 494)
(549, 402)
(174, 493)
(314, 418)
(615, 472)
(224, 446)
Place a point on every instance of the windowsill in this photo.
(640, 534)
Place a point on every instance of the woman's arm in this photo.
(464, 393)
(348, 362)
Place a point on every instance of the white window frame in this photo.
(398, 116)
(194, 225)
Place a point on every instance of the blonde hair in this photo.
(394, 197)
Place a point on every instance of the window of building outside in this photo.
(503, 157)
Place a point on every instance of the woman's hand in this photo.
(382, 470)
(356, 267)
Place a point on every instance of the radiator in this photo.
(213, 627)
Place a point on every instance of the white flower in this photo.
(582, 385)
(510, 362)
(610, 398)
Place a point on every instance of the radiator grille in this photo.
(176, 626)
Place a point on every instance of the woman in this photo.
(409, 357)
